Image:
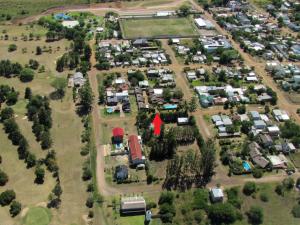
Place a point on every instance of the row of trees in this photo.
(16, 137)
(39, 111)
(9, 69)
(8, 198)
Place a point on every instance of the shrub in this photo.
(296, 211)
(26, 75)
(255, 215)
(279, 189)
(222, 213)
(166, 197)
(257, 173)
(151, 205)
(12, 47)
(249, 188)
(3, 178)
(264, 197)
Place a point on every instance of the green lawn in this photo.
(134, 28)
(38, 216)
(131, 220)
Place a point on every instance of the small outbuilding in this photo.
(121, 173)
(216, 194)
(118, 134)
(133, 205)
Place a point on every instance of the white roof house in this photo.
(200, 22)
(182, 120)
(70, 23)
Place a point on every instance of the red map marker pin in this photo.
(157, 122)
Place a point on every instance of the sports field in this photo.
(150, 27)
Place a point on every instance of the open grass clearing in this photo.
(135, 28)
(66, 134)
(295, 157)
(277, 210)
(21, 180)
(23, 8)
(37, 216)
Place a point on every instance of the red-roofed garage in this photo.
(118, 134)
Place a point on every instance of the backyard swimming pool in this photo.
(170, 106)
(246, 166)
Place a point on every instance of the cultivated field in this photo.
(138, 28)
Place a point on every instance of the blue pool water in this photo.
(109, 110)
(170, 106)
(246, 166)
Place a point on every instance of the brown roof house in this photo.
(256, 155)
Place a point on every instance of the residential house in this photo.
(135, 151)
(256, 156)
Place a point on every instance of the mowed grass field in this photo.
(138, 28)
(37, 216)
(66, 134)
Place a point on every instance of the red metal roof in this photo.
(134, 147)
(118, 132)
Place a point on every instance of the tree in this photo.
(3, 178)
(12, 48)
(6, 113)
(15, 208)
(28, 93)
(86, 97)
(227, 56)
(57, 190)
(249, 188)
(30, 160)
(167, 94)
(40, 174)
(7, 197)
(26, 75)
(246, 126)
(288, 183)
(255, 215)
(184, 10)
(296, 211)
(241, 109)
(89, 202)
(38, 50)
(193, 104)
(220, 213)
(46, 140)
(60, 83)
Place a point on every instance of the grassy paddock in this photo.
(23, 8)
(37, 216)
(153, 27)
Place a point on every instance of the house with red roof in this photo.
(135, 151)
(118, 134)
